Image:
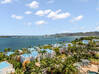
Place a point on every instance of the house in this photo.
(64, 48)
(29, 57)
(34, 55)
(37, 48)
(95, 40)
(85, 41)
(25, 57)
(31, 49)
(9, 53)
(6, 68)
(20, 51)
(66, 45)
(48, 53)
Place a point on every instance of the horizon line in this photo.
(48, 34)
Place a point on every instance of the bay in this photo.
(26, 41)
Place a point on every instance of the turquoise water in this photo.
(3, 65)
(25, 42)
(90, 72)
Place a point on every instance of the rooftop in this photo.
(34, 54)
(66, 45)
(47, 50)
(95, 40)
(85, 41)
(26, 55)
(31, 49)
(57, 45)
(9, 53)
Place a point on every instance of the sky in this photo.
(41, 17)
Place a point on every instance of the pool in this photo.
(91, 72)
(4, 65)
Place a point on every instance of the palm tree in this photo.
(19, 71)
(69, 48)
(68, 66)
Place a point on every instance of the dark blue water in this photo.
(25, 42)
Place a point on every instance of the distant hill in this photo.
(74, 34)
(56, 35)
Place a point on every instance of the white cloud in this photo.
(6, 1)
(78, 18)
(40, 22)
(42, 12)
(28, 12)
(33, 4)
(17, 17)
(58, 15)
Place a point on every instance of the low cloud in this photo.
(58, 15)
(28, 12)
(40, 22)
(5, 1)
(33, 4)
(78, 18)
(42, 12)
(17, 17)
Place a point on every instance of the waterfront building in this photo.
(25, 57)
(9, 53)
(66, 45)
(96, 40)
(6, 68)
(29, 57)
(20, 51)
(34, 55)
(48, 53)
(85, 41)
(31, 49)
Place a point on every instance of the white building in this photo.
(95, 40)
(6, 68)
(85, 41)
(49, 53)
(25, 57)
(29, 57)
(65, 47)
